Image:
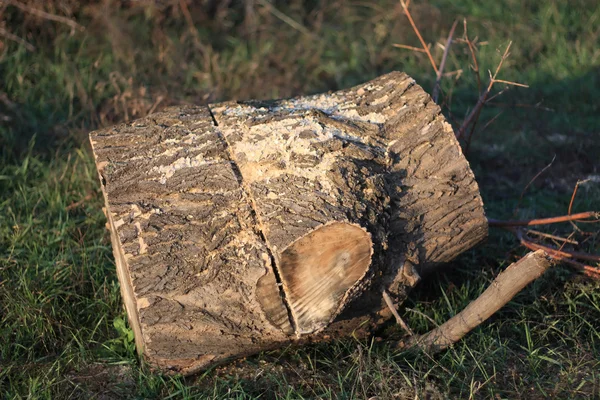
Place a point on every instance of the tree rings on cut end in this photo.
(319, 269)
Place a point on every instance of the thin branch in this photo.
(76, 204)
(291, 22)
(6, 34)
(536, 106)
(506, 285)
(440, 72)
(472, 50)
(511, 83)
(404, 46)
(574, 194)
(470, 137)
(427, 317)
(554, 237)
(588, 270)
(43, 14)
(414, 26)
(530, 183)
(399, 320)
(560, 252)
(499, 67)
(474, 114)
(496, 95)
(544, 221)
(451, 73)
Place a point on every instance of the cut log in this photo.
(243, 226)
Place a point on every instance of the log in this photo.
(245, 226)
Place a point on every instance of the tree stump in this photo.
(245, 226)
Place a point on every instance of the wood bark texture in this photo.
(243, 226)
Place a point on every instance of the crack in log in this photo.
(259, 231)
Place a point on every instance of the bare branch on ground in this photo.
(506, 285)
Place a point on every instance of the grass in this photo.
(62, 330)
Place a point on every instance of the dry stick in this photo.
(544, 221)
(483, 98)
(472, 50)
(530, 183)
(491, 121)
(413, 48)
(76, 204)
(440, 72)
(290, 21)
(572, 254)
(399, 320)
(43, 14)
(414, 26)
(506, 285)
(537, 106)
(473, 115)
(588, 270)
(549, 236)
(511, 83)
(477, 75)
(6, 34)
(190, 23)
(571, 203)
(573, 195)
(474, 124)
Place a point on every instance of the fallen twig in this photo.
(531, 182)
(560, 252)
(471, 46)
(506, 285)
(45, 15)
(413, 48)
(559, 255)
(290, 21)
(76, 204)
(544, 221)
(574, 194)
(6, 34)
(554, 237)
(399, 320)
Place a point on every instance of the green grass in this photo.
(62, 333)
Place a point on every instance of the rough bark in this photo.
(245, 225)
(188, 251)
